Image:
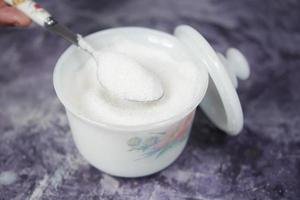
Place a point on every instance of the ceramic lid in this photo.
(221, 103)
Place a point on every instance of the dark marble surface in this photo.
(38, 159)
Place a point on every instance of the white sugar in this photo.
(180, 79)
(84, 45)
(122, 76)
(7, 177)
(126, 79)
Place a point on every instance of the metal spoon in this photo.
(43, 18)
(40, 16)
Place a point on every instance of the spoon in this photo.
(120, 75)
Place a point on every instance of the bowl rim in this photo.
(119, 127)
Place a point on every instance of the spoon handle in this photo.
(43, 18)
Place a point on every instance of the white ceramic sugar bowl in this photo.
(134, 151)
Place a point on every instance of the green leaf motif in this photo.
(133, 142)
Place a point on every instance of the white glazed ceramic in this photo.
(221, 103)
(128, 151)
(134, 151)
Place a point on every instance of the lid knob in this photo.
(236, 65)
(221, 103)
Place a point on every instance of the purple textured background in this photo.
(263, 162)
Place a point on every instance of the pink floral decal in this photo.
(158, 143)
(37, 6)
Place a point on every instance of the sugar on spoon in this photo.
(120, 75)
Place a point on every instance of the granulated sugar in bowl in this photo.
(133, 139)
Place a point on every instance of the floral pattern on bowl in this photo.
(158, 143)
